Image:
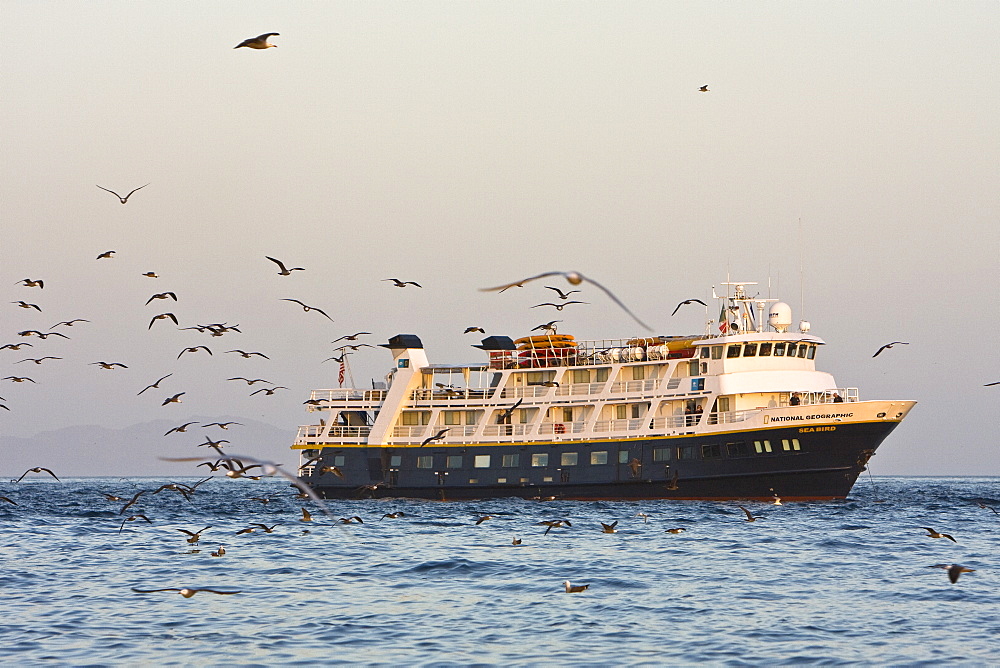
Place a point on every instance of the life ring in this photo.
(559, 428)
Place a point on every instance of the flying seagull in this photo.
(560, 307)
(507, 412)
(122, 199)
(106, 255)
(890, 345)
(688, 301)
(258, 42)
(562, 295)
(402, 284)
(574, 278)
(24, 304)
(549, 327)
(281, 265)
(307, 308)
(703, 89)
(469, 330)
(750, 518)
(349, 337)
(931, 533)
(954, 570)
(182, 428)
(194, 349)
(176, 399)
(247, 355)
(68, 323)
(29, 283)
(185, 592)
(37, 469)
(155, 385)
(436, 437)
(162, 316)
(109, 365)
(162, 295)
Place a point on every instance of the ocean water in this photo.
(811, 583)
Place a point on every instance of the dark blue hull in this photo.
(791, 463)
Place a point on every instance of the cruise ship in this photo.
(737, 412)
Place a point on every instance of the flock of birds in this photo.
(241, 466)
(137, 508)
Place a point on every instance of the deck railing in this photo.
(348, 394)
(342, 432)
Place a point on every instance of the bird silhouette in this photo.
(24, 304)
(162, 316)
(308, 308)
(574, 278)
(560, 307)
(37, 469)
(194, 349)
(889, 345)
(688, 301)
(30, 283)
(402, 284)
(247, 355)
(123, 200)
(176, 399)
(283, 271)
(258, 42)
(436, 437)
(106, 255)
(185, 592)
(155, 385)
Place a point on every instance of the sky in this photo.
(846, 157)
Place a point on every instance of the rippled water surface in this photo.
(841, 582)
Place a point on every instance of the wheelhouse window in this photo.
(812, 352)
(540, 459)
(598, 457)
(704, 352)
(481, 461)
(764, 350)
(803, 349)
(425, 462)
(733, 351)
(717, 352)
(749, 350)
(791, 350)
(779, 349)
(569, 459)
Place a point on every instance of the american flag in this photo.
(340, 376)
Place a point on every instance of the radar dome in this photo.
(780, 316)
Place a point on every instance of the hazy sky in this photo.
(466, 144)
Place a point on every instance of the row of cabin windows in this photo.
(541, 459)
(767, 349)
(716, 450)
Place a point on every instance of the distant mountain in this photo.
(135, 450)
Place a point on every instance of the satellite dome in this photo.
(780, 316)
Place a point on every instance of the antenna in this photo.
(802, 298)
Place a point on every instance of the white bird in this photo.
(574, 278)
